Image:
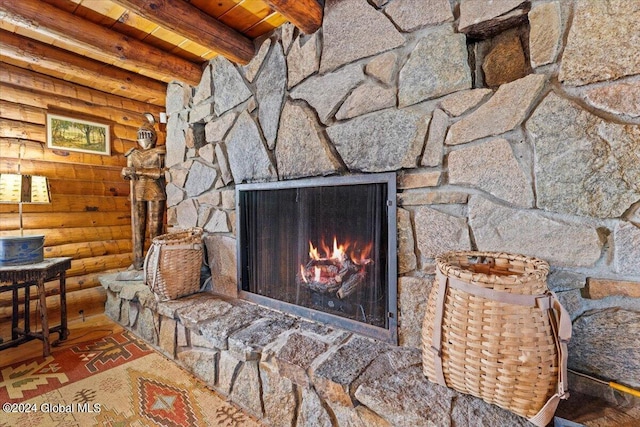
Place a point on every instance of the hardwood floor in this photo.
(80, 330)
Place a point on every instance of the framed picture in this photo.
(66, 133)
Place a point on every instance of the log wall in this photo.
(89, 217)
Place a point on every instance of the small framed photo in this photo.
(66, 133)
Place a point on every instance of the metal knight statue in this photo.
(145, 170)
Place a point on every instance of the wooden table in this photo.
(14, 277)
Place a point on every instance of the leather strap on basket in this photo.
(155, 254)
(558, 318)
(436, 342)
(561, 325)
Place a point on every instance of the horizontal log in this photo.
(61, 170)
(21, 77)
(61, 236)
(106, 188)
(69, 106)
(304, 14)
(22, 113)
(104, 44)
(45, 59)
(63, 220)
(89, 249)
(34, 150)
(73, 203)
(189, 21)
(97, 264)
(22, 130)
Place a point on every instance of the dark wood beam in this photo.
(104, 44)
(304, 14)
(46, 59)
(189, 21)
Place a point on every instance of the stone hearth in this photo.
(290, 372)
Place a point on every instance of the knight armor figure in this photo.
(145, 169)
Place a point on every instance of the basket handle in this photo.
(195, 246)
(156, 255)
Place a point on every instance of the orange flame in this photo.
(313, 252)
(340, 252)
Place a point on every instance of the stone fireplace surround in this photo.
(537, 154)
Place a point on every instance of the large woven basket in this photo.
(492, 329)
(172, 264)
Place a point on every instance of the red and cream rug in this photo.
(113, 381)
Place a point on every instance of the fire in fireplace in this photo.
(322, 248)
(338, 272)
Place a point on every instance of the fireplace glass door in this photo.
(322, 248)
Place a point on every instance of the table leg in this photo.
(14, 314)
(44, 318)
(64, 332)
(27, 310)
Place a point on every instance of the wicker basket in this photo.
(492, 329)
(172, 264)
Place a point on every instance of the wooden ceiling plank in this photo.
(245, 15)
(190, 22)
(47, 19)
(274, 17)
(192, 48)
(101, 15)
(134, 26)
(267, 24)
(107, 9)
(215, 8)
(85, 71)
(304, 14)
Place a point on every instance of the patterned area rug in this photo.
(114, 381)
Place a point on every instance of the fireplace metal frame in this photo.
(389, 334)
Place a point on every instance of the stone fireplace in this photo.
(510, 126)
(322, 248)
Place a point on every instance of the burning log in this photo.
(329, 275)
(350, 285)
(338, 272)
